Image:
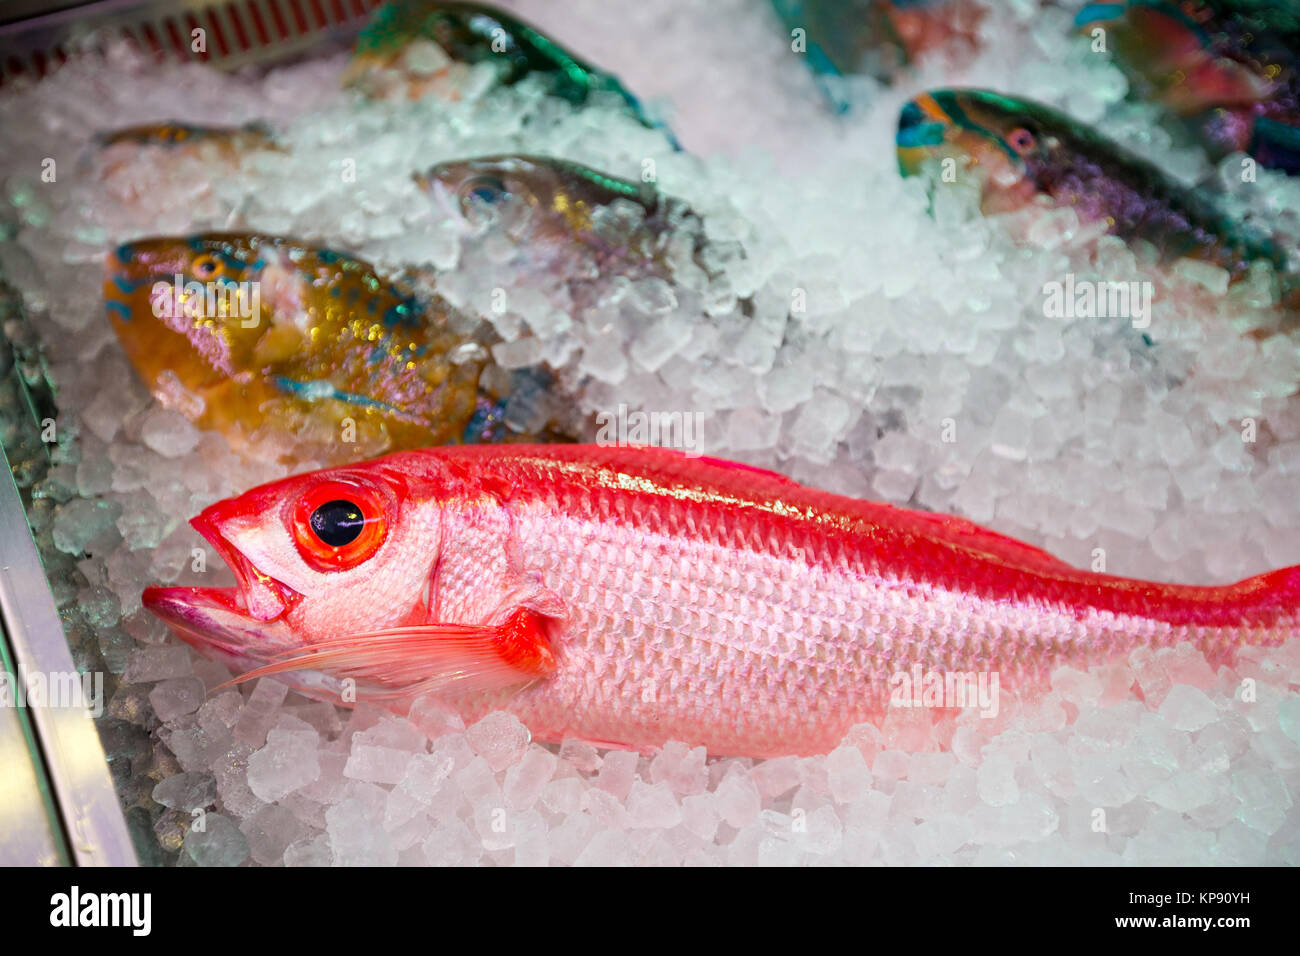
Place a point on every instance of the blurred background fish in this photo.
(168, 171)
(880, 39)
(121, 148)
(583, 233)
(1020, 153)
(564, 217)
(173, 135)
(1225, 68)
(301, 351)
(414, 47)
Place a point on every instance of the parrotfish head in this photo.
(1009, 144)
(319, 556)
(200, 287)
(246, 333)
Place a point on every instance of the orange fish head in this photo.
(343, 551)
(191, 305)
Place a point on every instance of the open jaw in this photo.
(446, 200)
(244, 626)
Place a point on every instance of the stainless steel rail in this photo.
(57, 802)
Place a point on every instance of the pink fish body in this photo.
(632, 596)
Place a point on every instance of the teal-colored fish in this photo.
(1226, 68)
(876, 38)
(1021, 151)
(474, 33)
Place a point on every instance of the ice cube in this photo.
(270, 832)
(847, 774)
(288, 761)
(180, 695)
(500, 738)
(187, 791)
(259, 712)
(738, 800)
(219, 843)
(526, 780)
(1186, 708)
(169, 433)
(653, 806)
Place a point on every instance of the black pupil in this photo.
(337, 522)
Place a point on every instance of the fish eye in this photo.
(206, 266)
(479, 194)
(337, 525)
(1022, 140)
(338, 522)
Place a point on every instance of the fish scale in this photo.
(844, 632)
(671, 598)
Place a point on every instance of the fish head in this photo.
(520, 197)
(343, 551)
(238, 301)
(202, 289)
(1007, 144)
(550, 205)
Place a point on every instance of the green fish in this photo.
(472, 33)
(576, 224)
(1023, 151)
(1226, 68)
(557, 208)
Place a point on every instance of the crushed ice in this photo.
(920, 370)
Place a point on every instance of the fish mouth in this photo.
(121, 286)
(446, 198)
(133, 269)
(243, 626)
(923, 126)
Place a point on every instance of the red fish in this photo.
(632, 596)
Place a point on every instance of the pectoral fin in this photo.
(424, 658)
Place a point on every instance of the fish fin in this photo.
(424, 658)
(705, 462)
